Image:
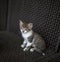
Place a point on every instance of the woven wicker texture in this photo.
(43, 14)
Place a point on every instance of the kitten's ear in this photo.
(30, 25)
(20, 22)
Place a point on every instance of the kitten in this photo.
(32, 41)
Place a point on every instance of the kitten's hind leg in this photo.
(37, 50)
(40, 51)
(32, 49)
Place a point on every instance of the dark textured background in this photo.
(3, 14)
(44, 14)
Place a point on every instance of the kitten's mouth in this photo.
(24, 31)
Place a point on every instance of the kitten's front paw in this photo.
(25, 49)
(22, 46)
(31, 50)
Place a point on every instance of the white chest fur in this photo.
(26, 35)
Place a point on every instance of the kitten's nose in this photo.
(24, 31)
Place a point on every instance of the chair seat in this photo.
(10, 50)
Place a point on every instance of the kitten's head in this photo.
(25, 27)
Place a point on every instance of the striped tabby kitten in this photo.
(32, 41)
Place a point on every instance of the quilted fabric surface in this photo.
(43, 14)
